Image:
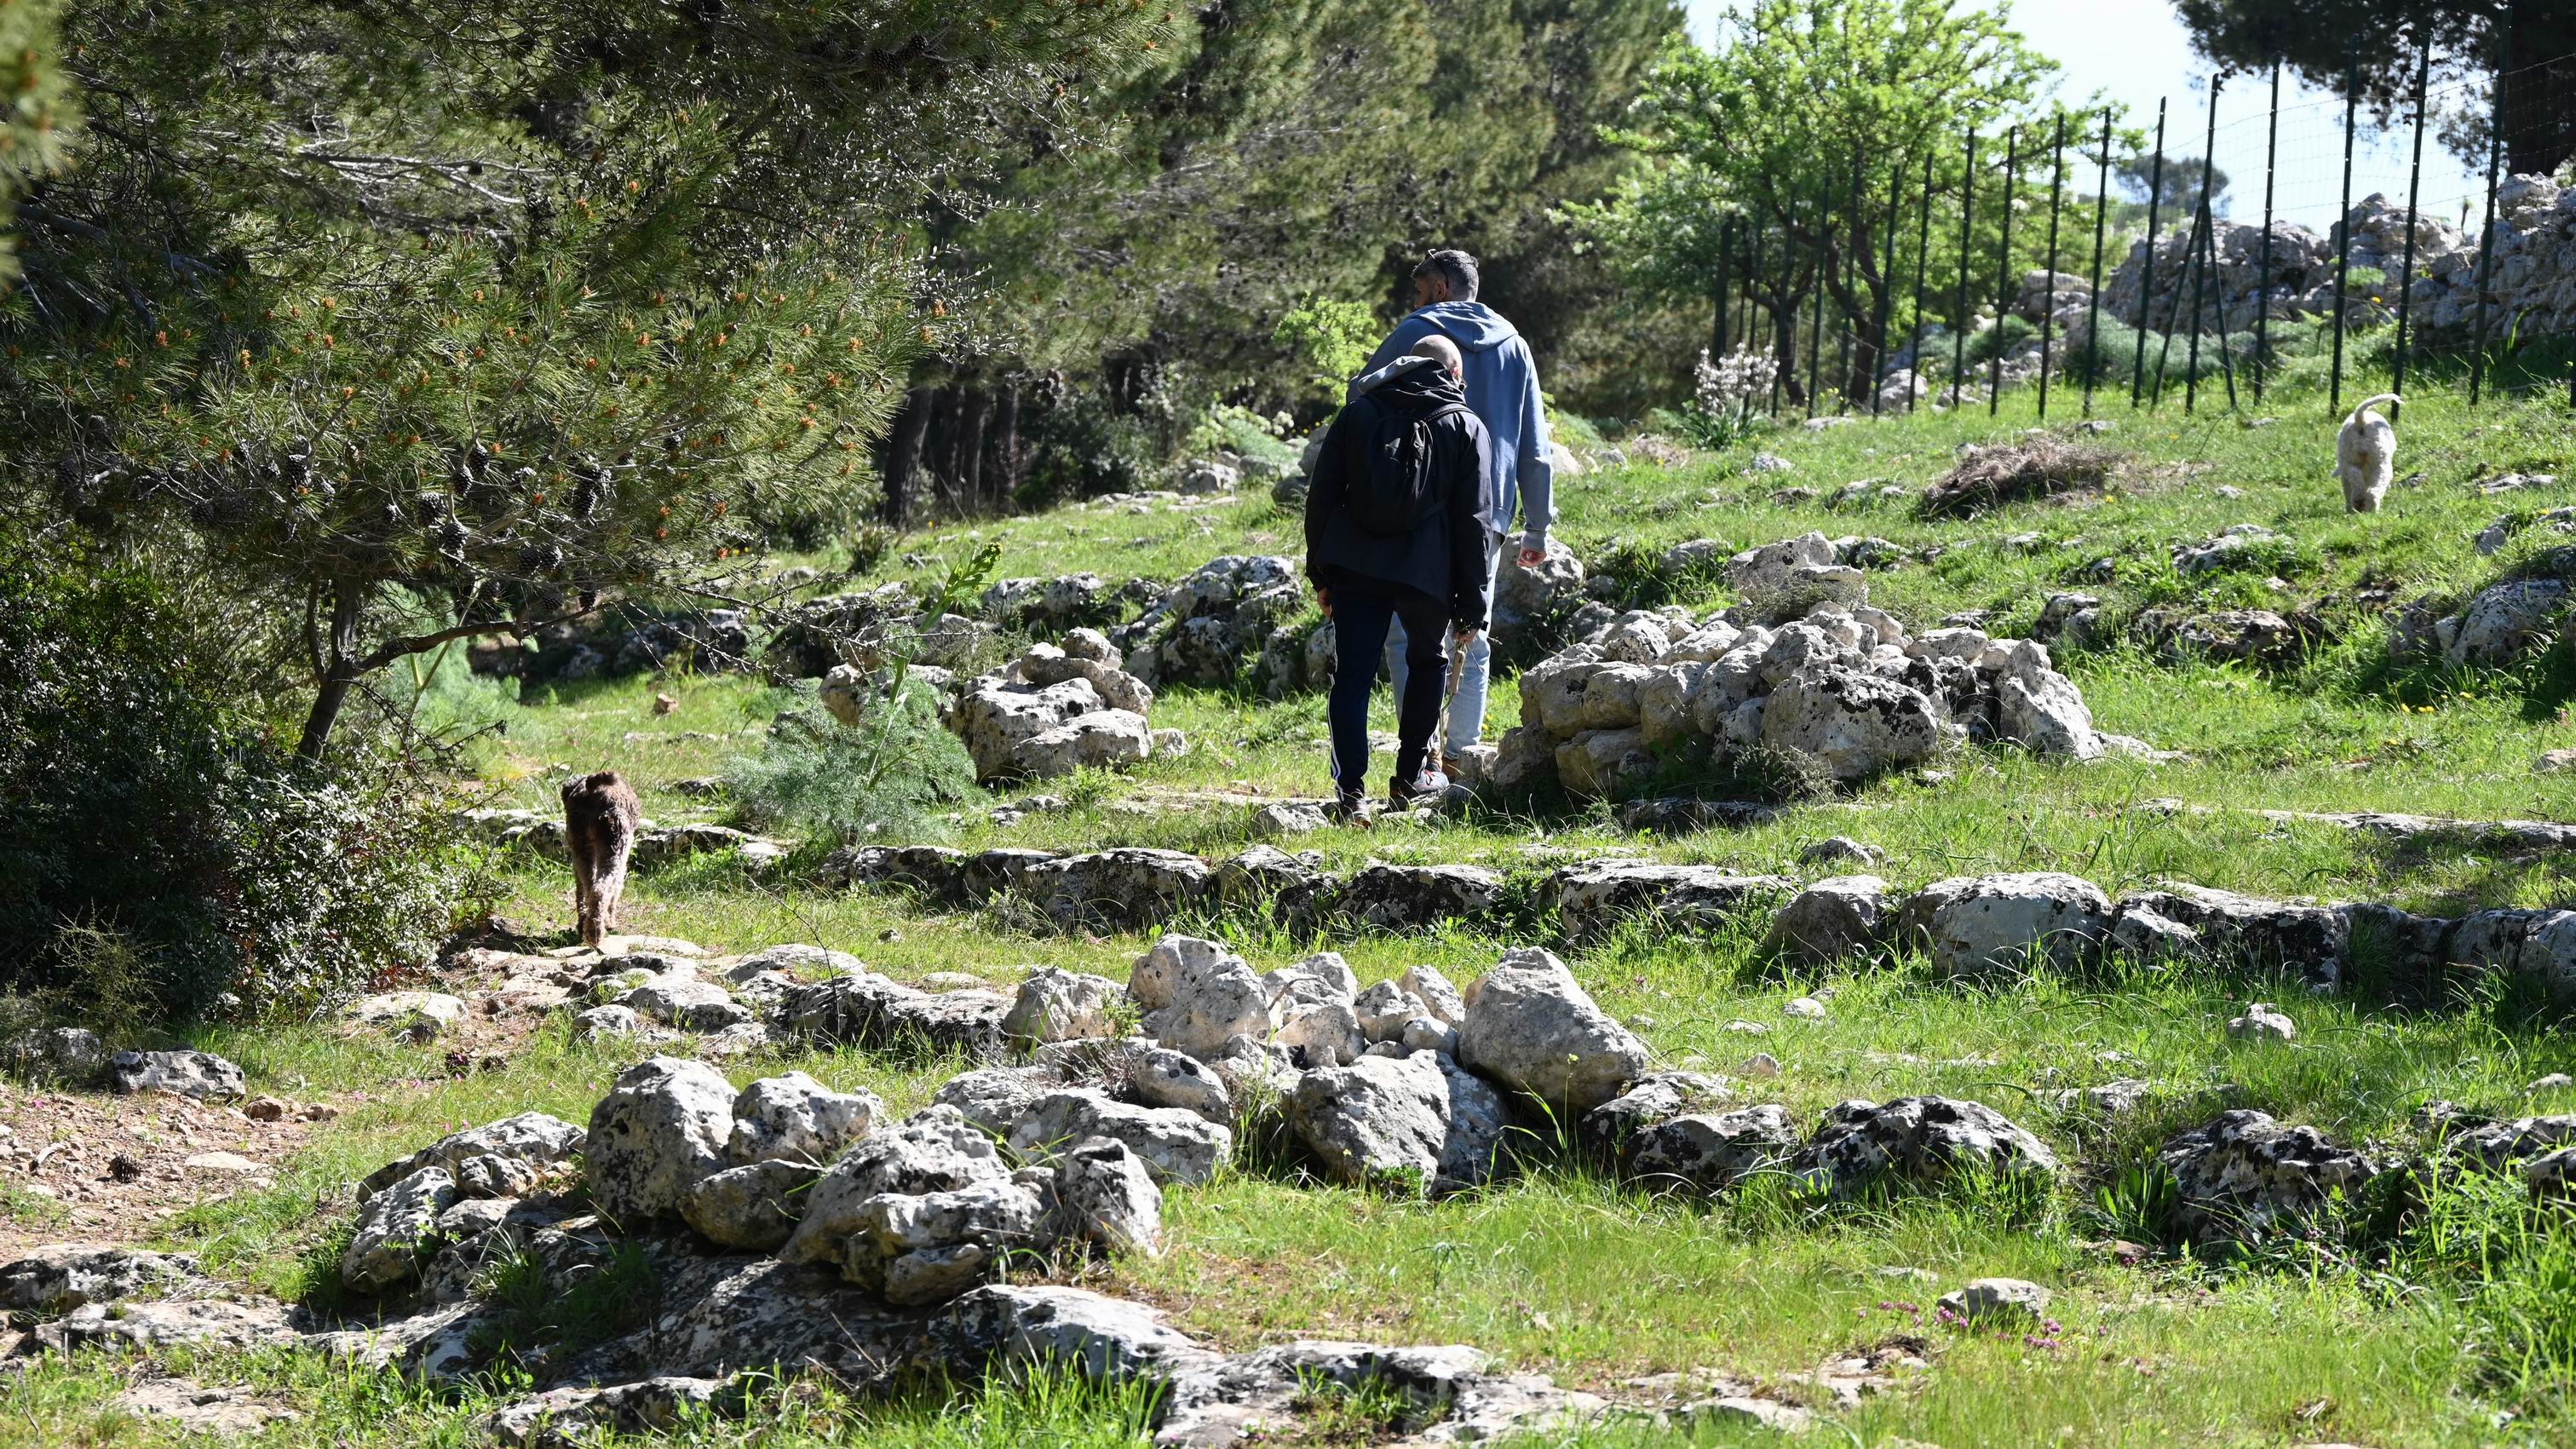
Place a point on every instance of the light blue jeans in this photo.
(1467, 711)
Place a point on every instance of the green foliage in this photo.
(2513, 1260)
(1243, 432)
(365, 300)
(2009, 332)
(882, 772)
(35, 109)
(1082, 446)
(1331, 339)
(1298, 158)
(883, 775)
(540, 1315)
(155, 847)
(1764, 129)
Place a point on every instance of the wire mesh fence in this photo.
(2245, 243)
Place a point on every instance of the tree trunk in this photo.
(943, 449)
(973, 403)
(1783, 322)
(903, 456)
(1005, 461)
(339, 669)
(2536, 103)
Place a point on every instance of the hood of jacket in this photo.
(1411, 382)
(1472, 325)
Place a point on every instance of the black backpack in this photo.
(1395, 489)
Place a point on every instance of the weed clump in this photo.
(2040, 467)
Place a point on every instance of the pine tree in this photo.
(34, 119)
(1774, 126)
(489, 310)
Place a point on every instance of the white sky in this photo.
(2134, 51)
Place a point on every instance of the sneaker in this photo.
(1425, 788)
(1347, 810)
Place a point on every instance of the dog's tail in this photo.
(2366, 404)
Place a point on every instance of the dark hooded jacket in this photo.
(1444, 555)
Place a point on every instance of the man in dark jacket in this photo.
(1377, 557)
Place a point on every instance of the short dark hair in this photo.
(1456, 268)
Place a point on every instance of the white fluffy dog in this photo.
(2366, 455)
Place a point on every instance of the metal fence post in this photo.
(1717, 330)
(2486, 230)
(2343, 224)
(2226, 360)
(2147, 279)
(1959, 316)
(1884, 297)
(1922, 261)
(2209, 249)
(2093, 303)
(1816, 318)
(2048, 308)
(1850, 270)
(2263, 269)
(2003, 274)
(2173, 318)
(2406, 270)
(1752, 283)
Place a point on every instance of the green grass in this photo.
(2422, 1339)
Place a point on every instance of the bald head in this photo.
(1444, 352)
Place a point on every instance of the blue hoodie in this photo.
(1502, 390)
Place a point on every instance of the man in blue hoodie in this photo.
(1502, 391)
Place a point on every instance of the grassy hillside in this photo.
(2458, 1333)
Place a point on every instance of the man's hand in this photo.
(1324, 601)
(1531, 558)
(1468, 636)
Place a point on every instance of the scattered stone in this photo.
(200, 1075)
(934, 1150)
(1533, 1028)
(1381, 1121)
(751, 1208)
(1974, 924)
(1418, 897)
(1287, 817)
(1914, 1141)
(686, 1004)
(223, 1413)
(1176, 1145)
(426, 1014)
(1997, 1302)
(395, 1229)
(522, 1147)
(1841, 850)
(1609, 1133)
(1105, 1197)
(795, 1117)
(2241, 1172)
(1835, 918)
(2261, 1023)
(1708, 1153)
(606, 1021)
(1055, 1005)
(927, 1247)
(662, 1128)
(60, 1277)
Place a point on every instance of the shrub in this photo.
(884, 774)
(1080, 447)
(2043, 466)
(2010, 332)
(154, 840)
